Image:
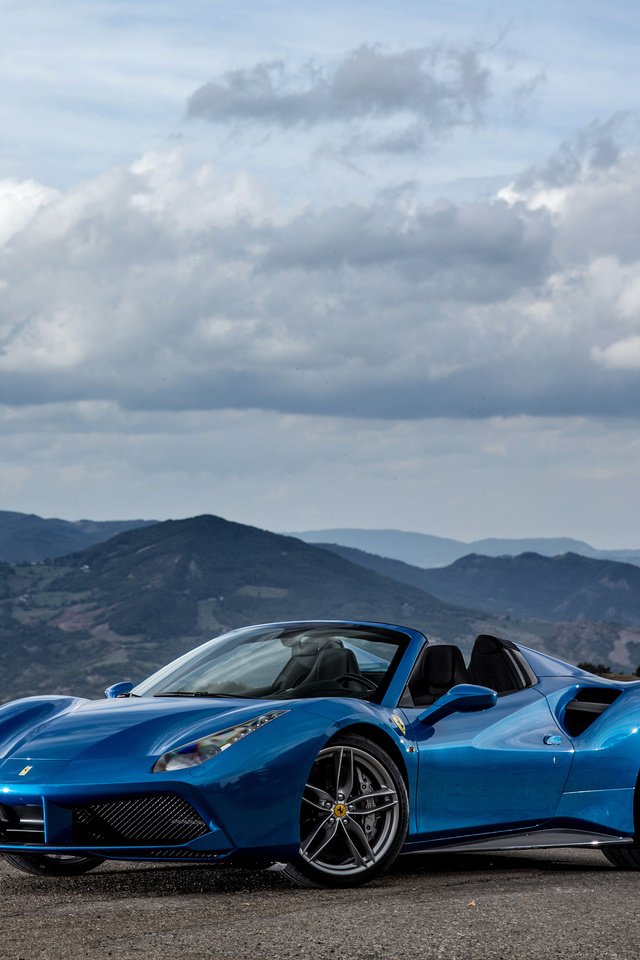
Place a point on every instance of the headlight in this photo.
(199, 751)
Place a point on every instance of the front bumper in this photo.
(116, 822)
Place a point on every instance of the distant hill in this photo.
(119, 609)
(386, 566)
(565, 589)
(424, 550)
(568, 587)
(27, 537)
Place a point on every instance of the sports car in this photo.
(327, 748)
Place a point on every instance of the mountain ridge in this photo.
(566, 588)
(26, 537)
(428, 551)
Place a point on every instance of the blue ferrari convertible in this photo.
(329, 748)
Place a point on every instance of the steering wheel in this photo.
(357, 678)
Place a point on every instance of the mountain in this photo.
(424, 550)
(568, 587)
(27, 537)
(385, 566)
(120, 609)
(420, 549)
(583, 594)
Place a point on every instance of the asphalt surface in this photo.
(539, 904)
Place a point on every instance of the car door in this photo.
(489, 769)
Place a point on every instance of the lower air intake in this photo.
(22, 824)
(161, 818)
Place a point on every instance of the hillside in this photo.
(424, 550)
(27, 537)
(568, 587)
(385, 566)
(119, 609)
(597, 602)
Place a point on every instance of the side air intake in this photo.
(586, 707)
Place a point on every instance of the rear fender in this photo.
(607, 753)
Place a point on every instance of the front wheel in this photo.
(353, 818)
(52, 864)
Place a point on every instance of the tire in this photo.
(624, 856)
(353, 818)
(51, 864)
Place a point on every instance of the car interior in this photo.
(315, 661)
(494, 663)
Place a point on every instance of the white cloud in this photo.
(622, 355)
(163, 289)
(19, 203)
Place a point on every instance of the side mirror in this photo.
(119, 689)
(463, 698)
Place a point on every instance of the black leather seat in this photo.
(313, 660)
(333, 662)
(442, 667)
(490, 665)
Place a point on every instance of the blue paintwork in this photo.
(491, 771)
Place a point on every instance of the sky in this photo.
(310, 265)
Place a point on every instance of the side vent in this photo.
(586, 707)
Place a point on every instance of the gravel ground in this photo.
(544, 904)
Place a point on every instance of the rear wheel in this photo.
(52, 864)
(353, 818)
(624, 857)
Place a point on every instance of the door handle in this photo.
(553, 740)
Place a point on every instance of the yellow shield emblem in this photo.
(399, 722)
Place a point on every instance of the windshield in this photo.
(283, 662)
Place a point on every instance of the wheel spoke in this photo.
(366, 813)
(337, 762)
(346, 788)
(354, 828)
(385, 792)
(316, 806)
(321, 794)
(331, 832)
(320, 827)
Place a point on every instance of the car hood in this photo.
(65, 728)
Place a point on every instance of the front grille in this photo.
(158, 818)
(22, 824)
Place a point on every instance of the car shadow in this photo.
(549, 861)
(116, 880)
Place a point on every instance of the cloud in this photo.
(584, 158)
(19, 202)
(390, 102)
(622, 355)
(156, 289)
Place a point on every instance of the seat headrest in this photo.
(311, 648)
(487, 644)
(442, 664)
